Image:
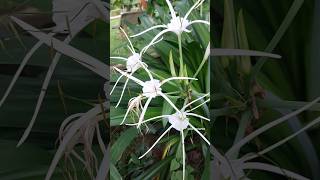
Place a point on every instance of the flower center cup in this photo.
(178, 25)
(179, 121)
(151, 88)
(133, 63)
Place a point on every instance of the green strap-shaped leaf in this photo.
(122, 143)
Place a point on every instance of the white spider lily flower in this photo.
(150, 90)
(177, 24)
(180, 121)
(135, 103)
(133, 63)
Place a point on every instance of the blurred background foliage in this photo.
(267, 88)
(72, 89)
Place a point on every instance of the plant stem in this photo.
(180, 56)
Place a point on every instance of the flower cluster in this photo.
(153, 87)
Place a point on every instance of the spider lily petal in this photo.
(125, 34)
(145, 121)
(198, 106)
(187, 31)
(200, 129)
(202, 136)
(116, 84)
(155, 39)
(196, 5)
(155, 143)
(138, 81)
(177, 78)
(131, 50)
(123, 89)
(149, 29)
(199, 21)
(169, 101)
(145, 67)
(199, 4)
(184, 107)
(145, 48)
(173, 13)
(197, 115)
(144, 110)
(113, 57)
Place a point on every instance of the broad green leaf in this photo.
(125, 139)
(114, 173)
(155, 169)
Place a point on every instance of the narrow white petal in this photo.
(200, 129)
(122, 58)
(197, 4)
(173, 13)
(127, 38)
(131, 50)
(176, 78)
(197, 115)
(198, 106)
(155, 39)
(145, 67)
(169, 101)
(123, 89)
(202, 136)
(157, 117)
(184, 107)
(155, 143)
(116, 83)
(149, 29)
(187, 30)
(199, 21)
(144, 49)
(144, 110)
(138, 81)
